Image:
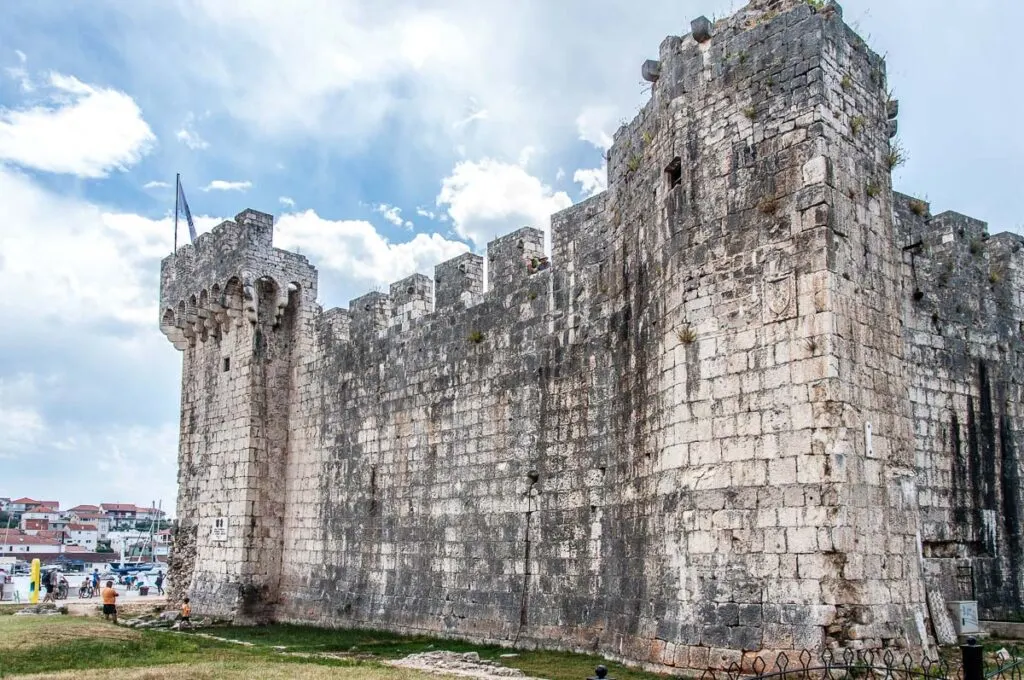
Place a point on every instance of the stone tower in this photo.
(684, 440)
(234, 306)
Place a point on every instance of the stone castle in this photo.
(755, 400)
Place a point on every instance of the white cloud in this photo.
(156, 184)
(436, 73)
(134, 461)
(355, 249)
(188, 136)
(592, 181)
(224, 185)
(596, 124)
(429, 214)
(96, 260)
(191, 139)
(476, 115)
(393, 215)
(20, 420)
(85, 131)
(490, 198)
(20, 73)
(286, 201)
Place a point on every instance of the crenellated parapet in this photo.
(458, 285)
(226, 278)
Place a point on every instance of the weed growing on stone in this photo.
(897, 155)
(768, 206)
(976, 246)
(847, 82)
(919, 208)
(633, 164)
(750, 112)
(856, 125)
(817, 4)
(476, 337)
(686, 335)
(873, 189)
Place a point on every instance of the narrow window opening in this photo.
(227, 364)
(674, 172)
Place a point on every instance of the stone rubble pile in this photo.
(468, 664)
(45, 609)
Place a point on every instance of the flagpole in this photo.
(177, 193)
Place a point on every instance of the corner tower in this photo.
(234, 306)
(752, 273)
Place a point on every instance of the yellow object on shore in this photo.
(33, 584)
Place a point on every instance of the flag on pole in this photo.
(181, 205)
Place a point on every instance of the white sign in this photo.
(220, 529)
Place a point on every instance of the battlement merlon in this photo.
(219, 279)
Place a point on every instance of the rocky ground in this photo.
(468, 664)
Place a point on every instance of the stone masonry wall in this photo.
(964, 315)
(683, 440)
(234, 305)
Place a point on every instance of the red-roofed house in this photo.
(30, 525)
(16, 542)
(97, 519)
(41, 512)
(84, 535)
(23, 504)
(151, 514)
(120, 512)
(85, 508)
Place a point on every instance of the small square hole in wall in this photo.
(674, 172)
(227, 364)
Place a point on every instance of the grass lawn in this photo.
(91, 649)
(249, 669)
(86, 647)
(543, 664)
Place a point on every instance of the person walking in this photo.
(160, 583)
(50, 584)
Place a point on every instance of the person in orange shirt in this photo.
(186, 613)
(110, 601)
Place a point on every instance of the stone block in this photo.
(651, 70)
(700, 28)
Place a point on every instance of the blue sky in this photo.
(385, 136)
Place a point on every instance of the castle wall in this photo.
(684, 439)
(963, 305)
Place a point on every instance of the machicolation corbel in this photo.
(700, 28)
(651, 70)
